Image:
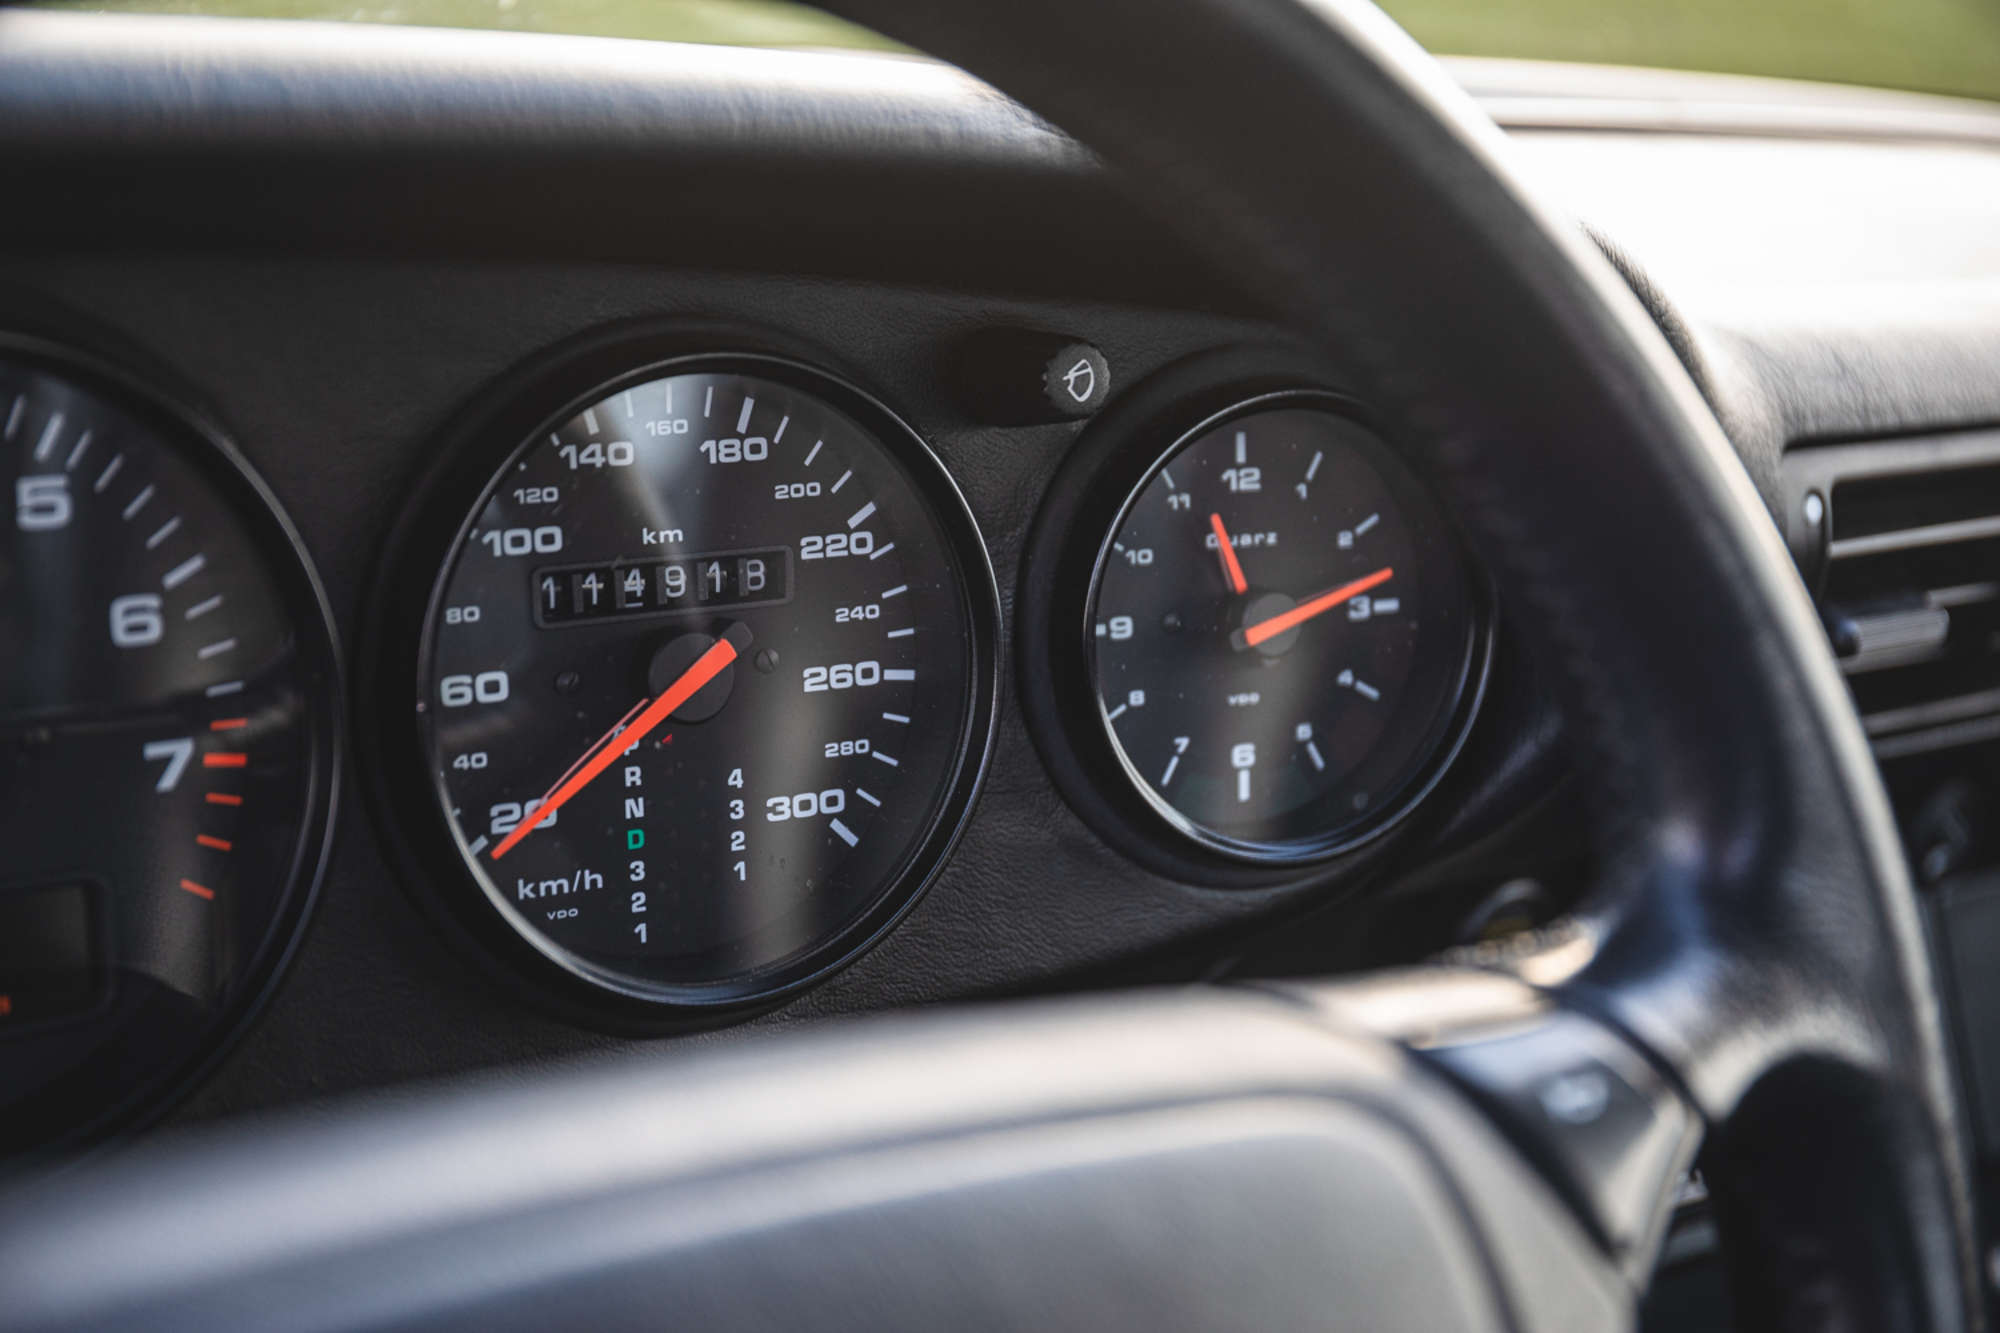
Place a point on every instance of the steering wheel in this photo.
(1438, 1149)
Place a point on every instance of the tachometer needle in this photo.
(1252, 635)
(705, 669)
(1231, 567)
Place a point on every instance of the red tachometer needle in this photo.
(1252, 635)
(1230, 565)
(706, 668)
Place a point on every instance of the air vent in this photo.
(1900, 541)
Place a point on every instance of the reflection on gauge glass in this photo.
(707, 680)
(167, 732)
(1281, 633)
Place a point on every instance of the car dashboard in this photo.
(469, 672)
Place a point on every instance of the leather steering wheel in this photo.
(1440, 1149)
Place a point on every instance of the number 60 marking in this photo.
(488, 687)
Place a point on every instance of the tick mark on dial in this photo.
(50, 434)
(184, 571)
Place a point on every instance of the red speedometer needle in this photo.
(1304, 611)
(706, 668)
(1230, 566)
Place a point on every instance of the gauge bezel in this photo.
(1115, 453)
(183, 425)
(1452, 721)
(434, 529)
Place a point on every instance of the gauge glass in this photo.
(707, 679)
(167, 724)
(1280, 634)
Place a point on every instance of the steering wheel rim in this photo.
(1754, 929)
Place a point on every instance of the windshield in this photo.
(1943, 46)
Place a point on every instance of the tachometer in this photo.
(168, 720)
(706, 681)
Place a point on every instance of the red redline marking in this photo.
(219, 844)
(199, 891)
(223, 798)
(228, 723)
(225, 759)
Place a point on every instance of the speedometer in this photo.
(705, 681)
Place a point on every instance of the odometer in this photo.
(706, 680)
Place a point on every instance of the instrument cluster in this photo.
(679, 683)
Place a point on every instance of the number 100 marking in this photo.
(524, 541)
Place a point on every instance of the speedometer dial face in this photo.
(1281, 633)
(168, 719)
(707, 680)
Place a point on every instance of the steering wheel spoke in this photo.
(1596, 1116)
(1599, 1120)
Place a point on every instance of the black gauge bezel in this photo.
(198, 437)
(1117, 456)
(434, 528)
(1449, 726)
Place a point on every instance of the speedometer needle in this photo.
(1252, 635)
(705, 669)
(1231, 567)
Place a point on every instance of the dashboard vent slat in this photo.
(1900, 541)
(1901, 502)
(1903, 539)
